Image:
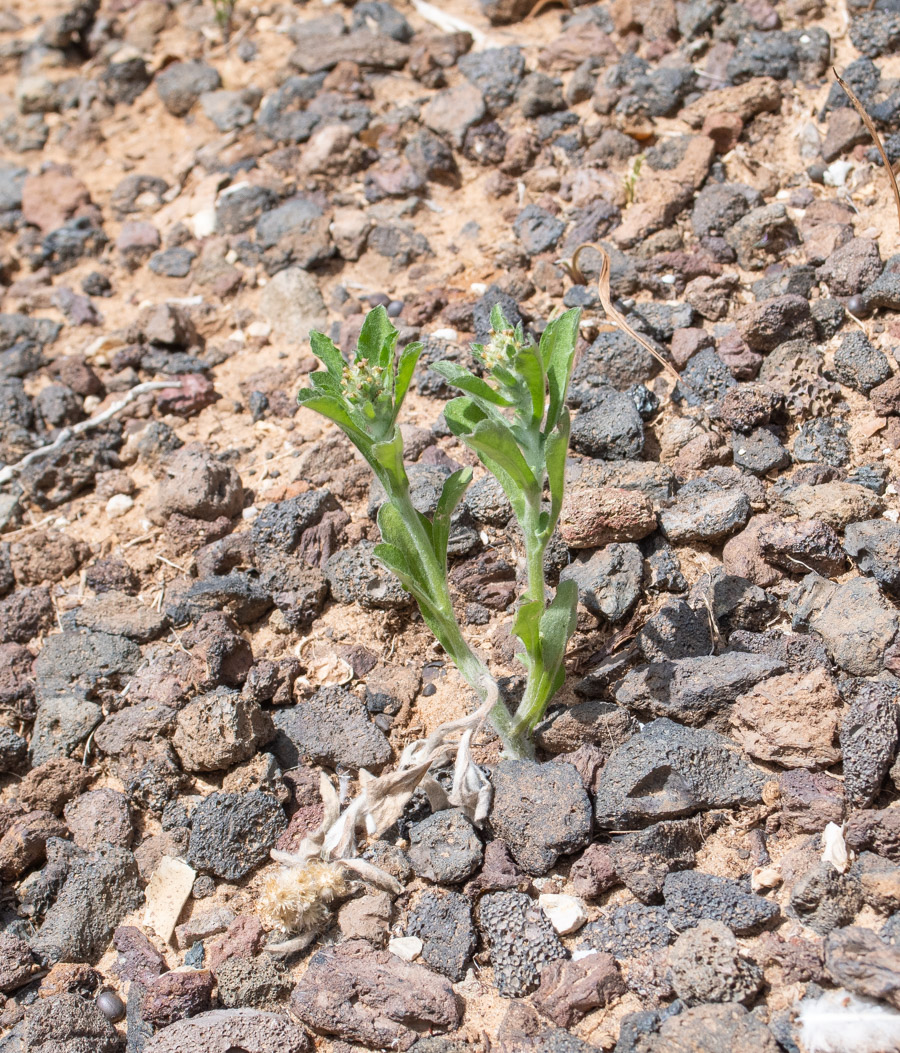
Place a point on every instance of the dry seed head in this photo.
(297, 899)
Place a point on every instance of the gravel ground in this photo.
(193, 626)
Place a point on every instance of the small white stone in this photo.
(249, 514)
(445, 334)
(167, 892)
(836, 173)
(118, 505)
(406, 947)
(203, 223)
(835, 848)
(566, 913)
(258, 329)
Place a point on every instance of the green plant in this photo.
(224, 13)
(515, 419)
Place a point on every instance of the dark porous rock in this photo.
(66, 1021)
(859, 960)
(372, 997)
(798, 545)
(570, 990)
(355, 576)
(88, 661)
(445, 847)
(62, 723)
(13, 752)
(714, 1029)
(442, 919)
(26, 614)
(541, 811)
(17, 965)
(261, 982)
(181, 84)
(762, 234)
(692, 690)
(676, 630)
(16, 679)
(760, 452)
(224, 1030)
(176, 995)
(101, 888)
(875, 546)
(707, 966)
(877, 830)
(692, 896)
(859, 365)
(630, 931)
(537, 229)
(613, 359)
(218, 730)
(719, 206)
(748, 406)
(238, 595)
(667, 771)
(118, 614)
(609, 581)
(496, 72)
(611, 429)
(231, 833)
(520, 941)
(332, 727)
(852, 267)
(869, 735)
(593, 721)
(824, 899)
(704, 513)
(767, 324)
(643, 859)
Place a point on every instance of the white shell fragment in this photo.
(167, 893)
(406, 947)
(118, 505)
(834, 848)
(565, 913)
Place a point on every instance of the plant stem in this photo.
(448, 632)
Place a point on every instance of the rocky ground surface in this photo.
(192, 624)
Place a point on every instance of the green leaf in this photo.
(557, 625)
(527, 625)
(395, 532)
(326, 382)
(377, 339)
(531, 370)
(389, 454)
(454, 487)
(464, 380)
(405, 369)
(557, 349)
(328, 354)
(555, 450)
(498, 319)
(335, 409)
(491, 439)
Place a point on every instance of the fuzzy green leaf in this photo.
(395, 532)
(527, 625)
(326, 383)
(377, 338)
(389, 454)
(491, 438)
(335, 409)
(557, 349)
(405, 369)
(328, 354)
(464, 380)
(451, 494)
(557, 625)
(531, 370)
(498, 319)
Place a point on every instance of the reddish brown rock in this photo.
(791, 720)
(52, 784)
(593, 873)
(724, 129)
(596, 516)
(372, 997)
(571, 989)
(25, 842)
(52, 196)
(243, 938)
(174, 996)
